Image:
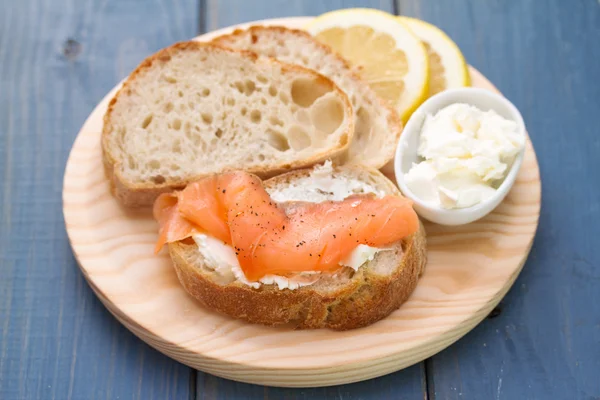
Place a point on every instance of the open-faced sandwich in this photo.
(325, 240)
(324, 247)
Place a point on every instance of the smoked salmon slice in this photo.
(173, 227)
(236, 208)
(202, 204)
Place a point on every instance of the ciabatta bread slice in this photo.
(194, 109)
(378, 126)
(342, 301)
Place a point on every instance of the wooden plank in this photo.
(57, 60)
(543, 343)
(407, 384)
(222, 13)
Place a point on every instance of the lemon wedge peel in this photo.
(453, 61)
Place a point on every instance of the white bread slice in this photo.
(378, 126)
(194, 109)
(343, 301)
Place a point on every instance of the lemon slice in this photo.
(447, 65)
(388, 56)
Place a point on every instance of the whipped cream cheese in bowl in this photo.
(459, 155)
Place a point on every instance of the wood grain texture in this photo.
(470, 268)
(544, 56)
(57, 59)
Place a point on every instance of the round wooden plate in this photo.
(470, 269)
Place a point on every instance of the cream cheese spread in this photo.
(466, 154)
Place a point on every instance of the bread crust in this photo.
(366, 298)
(142, 194)
(394, 123)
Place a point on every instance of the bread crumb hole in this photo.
(177, 124)
(175, 167)
(327, 115)
(158, 179)
(170, 79)
(277, 140)
(255, 116)
(250, 87)
(306, 91)
(303, 117)
(168, 107)
(206, 92)
(230, 101)
(207, 118)
(176, 147)
(191, 105)
(243, 111)
(131, 162)
(262, 79)
(263, 101)
(272, 91)
(298, 138)
(275, 121)
(261, 157)
(147, 121)
(219, 133)
(180, 93)
(154, 164)
(284, 98)
(239, 86)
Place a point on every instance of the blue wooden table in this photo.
(58, 58)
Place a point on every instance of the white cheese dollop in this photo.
(467, 153)
(360, 255)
